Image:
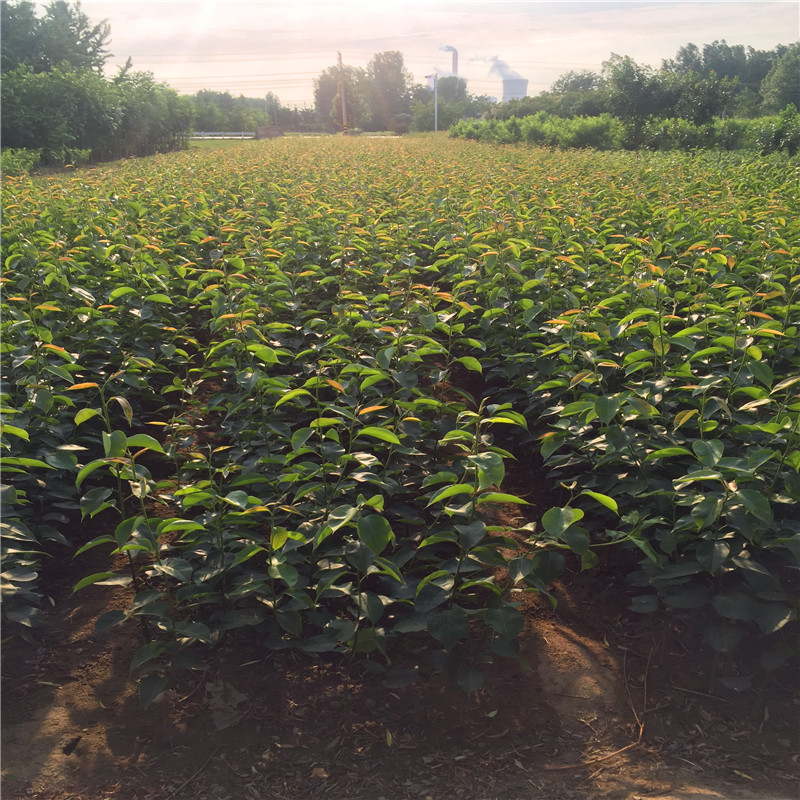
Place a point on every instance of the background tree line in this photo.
(57, 102)
(383, 97)
(719, 81)
(58, 106)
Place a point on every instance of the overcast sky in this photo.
(259, 46)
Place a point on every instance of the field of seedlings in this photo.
(359, 396)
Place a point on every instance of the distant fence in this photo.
(223, 135)
(262, 132)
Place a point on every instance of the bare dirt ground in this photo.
(594, 680)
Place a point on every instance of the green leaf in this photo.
(756, 504)
(375, 532)
(761, 372)
(432, 578)
(266, 355)
(642, 407)
(551, 443)
(151, 686)
(609, 502)
(15, 461)
(557, 520)
(519, 568)
(13, 430)
(237, 498)
(449, 626)
(178, 568)
(547, 566)
(108, 620)
(300, 437)
(194, 630)
(379, 433)
(606, 408)
(60, 459)
(734, 606)
(290, 395)
(278, 537)
(469, 678)
(712, 555)
(176, 524)
(506, 621)
(471, 363)
(491, 469)
(144, 441)
(773, 616)
(501, 497)
(124, 531)
(340, 515)
(709, 451)
(85, 414)
(667, 452)
(451, 491)
(114, 444)
(684, 416)
(90, 579)
(697, 475)
(120, 291)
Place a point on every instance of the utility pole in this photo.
(342, 93)
(435, 77)
(435, 101)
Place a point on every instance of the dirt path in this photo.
(260, 725)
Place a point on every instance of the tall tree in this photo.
(634, 94)
(583, 81)
(781, 86)
(18, 34)
(64, 36)
(327, 97)
(388, 89)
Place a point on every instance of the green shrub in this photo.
(781, 133)
(18, 160)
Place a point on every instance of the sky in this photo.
(259, 46)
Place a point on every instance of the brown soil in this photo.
(280, 725)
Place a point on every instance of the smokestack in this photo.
(515, 86)
(448, 49)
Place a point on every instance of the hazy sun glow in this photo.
(255, 47)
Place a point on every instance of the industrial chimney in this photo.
(447, 48)
(515, 86)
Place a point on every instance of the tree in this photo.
(634, 94)
(327, 99)
(58, 112)
(781, 86)
(724, 60)
(18, 27)
(584, 81)
(55, 98)
(64, 36)
(155, 118)
(272, 104)
(451, 87)
(455, 103)
(388, 89)
(688, 59)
